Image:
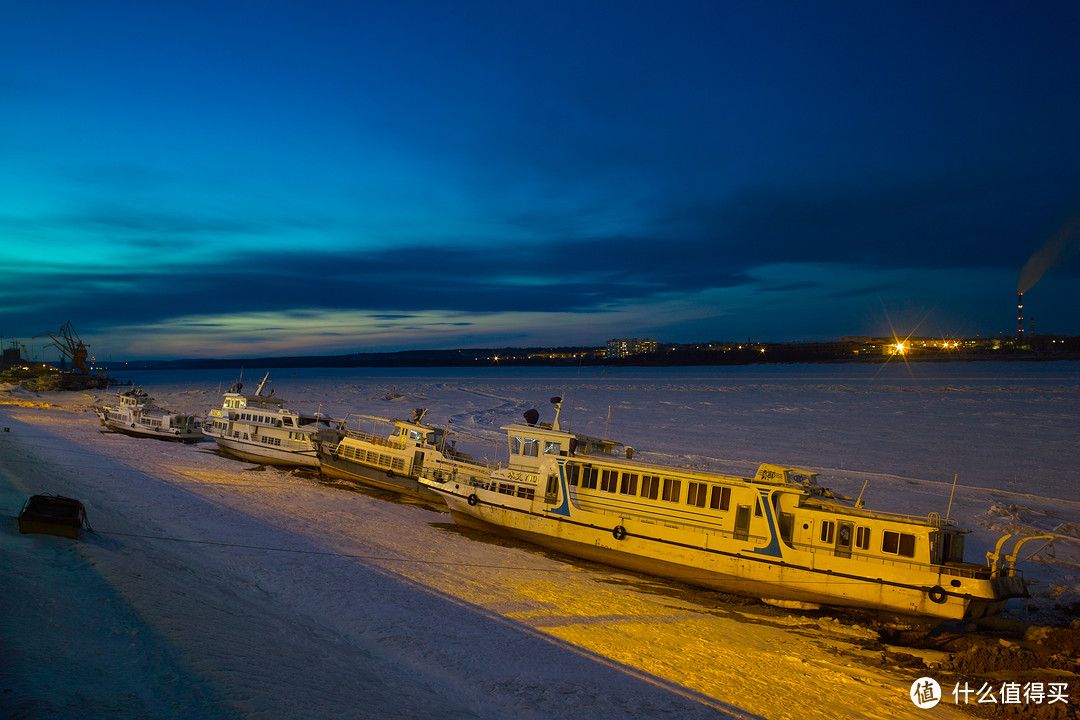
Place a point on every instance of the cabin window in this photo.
(696, 493)
(742, 523)
(757, 508)
(529, 447)
(895, 543)
(629, 484)
(572, 474)
(954, 547)
(787, 526)
(287, 421)
(552, 490)
(552, 447)
(827, 529)
(672, 490)
(650, 486)
(588, 477)
(862, 538)
(721, 498)
(609, 480)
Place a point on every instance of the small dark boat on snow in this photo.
(52, 515)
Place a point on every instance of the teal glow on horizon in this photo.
(198, 180)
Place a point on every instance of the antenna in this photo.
(953, 492)
(858, 501)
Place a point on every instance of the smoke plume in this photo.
(1060, 247)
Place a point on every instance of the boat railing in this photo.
(374, 458)
(374, 439)
(503, 486)
(473, 474)
(965, 570)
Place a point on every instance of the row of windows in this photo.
(522, 491)
(892, 543)
(531, 447)
(698, 494)
(251, 417)
(368, 456)
(717, 497)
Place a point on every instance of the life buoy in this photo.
(132, 426)
(619, 532)
(937, 594)
(473, 499)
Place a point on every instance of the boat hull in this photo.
(643, 548)
(263, 455)
(170, 435)
(52, 515)
(376, 477)
(131, 423)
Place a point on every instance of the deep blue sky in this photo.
(262, 178)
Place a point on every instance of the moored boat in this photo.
(259, 428)
(778, 536)
(393, 455)
(136, 414)
(52, 515)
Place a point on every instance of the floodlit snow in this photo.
(215, 588)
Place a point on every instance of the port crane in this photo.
(71, 346)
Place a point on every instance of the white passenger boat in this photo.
(135, 413)
(259, 428)
(777, 536)
(392, 455)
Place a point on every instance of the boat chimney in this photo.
(557, 402)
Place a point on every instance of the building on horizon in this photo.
(625, 347)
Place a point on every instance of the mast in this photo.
(557, 402)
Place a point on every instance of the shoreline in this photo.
(634, 626)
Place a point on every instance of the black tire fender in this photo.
(937, 594)
(619, 532)
(472, 500)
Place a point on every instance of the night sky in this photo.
(235, 179)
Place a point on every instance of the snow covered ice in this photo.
(218, 588)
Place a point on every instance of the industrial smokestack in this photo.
(1020, 316)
